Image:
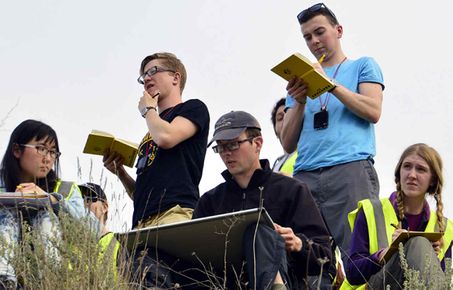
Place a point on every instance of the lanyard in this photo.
(324, 106)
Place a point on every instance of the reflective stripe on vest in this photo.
(380, 215)
(64, 188)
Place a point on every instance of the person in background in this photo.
(299, 245)
(30, 165)
(171, 155)
(284, 163)
(376, 223)
(96, 201)
(334, 133)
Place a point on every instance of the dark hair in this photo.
(253, 132)
(315, 10)
(170, 61)
(280, 103)
(10, 171)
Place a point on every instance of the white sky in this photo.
(74, 65)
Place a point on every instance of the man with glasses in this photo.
(299, 243)
(171, 155)
(334, 134)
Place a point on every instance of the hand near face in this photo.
(113, 162)
(292, 242)
(297, 89)
(149, 99)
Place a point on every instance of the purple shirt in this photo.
(362, 265)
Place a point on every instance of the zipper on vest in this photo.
(243, 199)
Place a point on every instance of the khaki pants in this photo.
(172, 215)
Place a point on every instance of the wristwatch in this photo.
(335, 84)
(145, 110)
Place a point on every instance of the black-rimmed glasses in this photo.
(152, 71)
(314, 8)
(43, 151)
(230, 146)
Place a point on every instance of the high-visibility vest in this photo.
(65, 188)
(288, 166)
(380, 215)
(108, 244)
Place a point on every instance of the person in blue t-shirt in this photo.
(334, 134)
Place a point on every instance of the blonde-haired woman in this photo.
(376, 223)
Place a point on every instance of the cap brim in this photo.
(227, 134)
(93, 190)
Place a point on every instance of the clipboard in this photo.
(404, 237)
(211, 240)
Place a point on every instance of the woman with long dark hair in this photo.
(31, 166)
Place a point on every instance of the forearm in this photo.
(368, 107)
(292, 126)
(127, 181)
(159, 129)
(361, 267)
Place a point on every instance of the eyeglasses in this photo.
(312, 9)
(43, 151)
(230, 146)
(152, 71)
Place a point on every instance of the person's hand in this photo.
(113, 162)
(381, 254)
(292, 242)
(30, 187)
(319, 68)
(397, 232)
(297, 89)
(34, 189)
(437, 246)
(148, 100)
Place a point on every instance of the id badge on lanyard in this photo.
(321, 118)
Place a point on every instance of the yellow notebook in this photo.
(99, 142)
(298, 65)
(404, 237)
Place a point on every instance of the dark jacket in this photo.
(288, 202)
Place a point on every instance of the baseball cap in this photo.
(232, 124)
(92, 191)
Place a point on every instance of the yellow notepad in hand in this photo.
(300, 66)
(99, 142)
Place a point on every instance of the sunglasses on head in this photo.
(315, 8)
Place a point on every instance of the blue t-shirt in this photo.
(348, 137)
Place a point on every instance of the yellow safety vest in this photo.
(288, 166)
(65, 188)
(108, 244)
(380, 215)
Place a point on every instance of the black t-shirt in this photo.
(166, 178)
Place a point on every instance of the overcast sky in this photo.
(74, 65)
